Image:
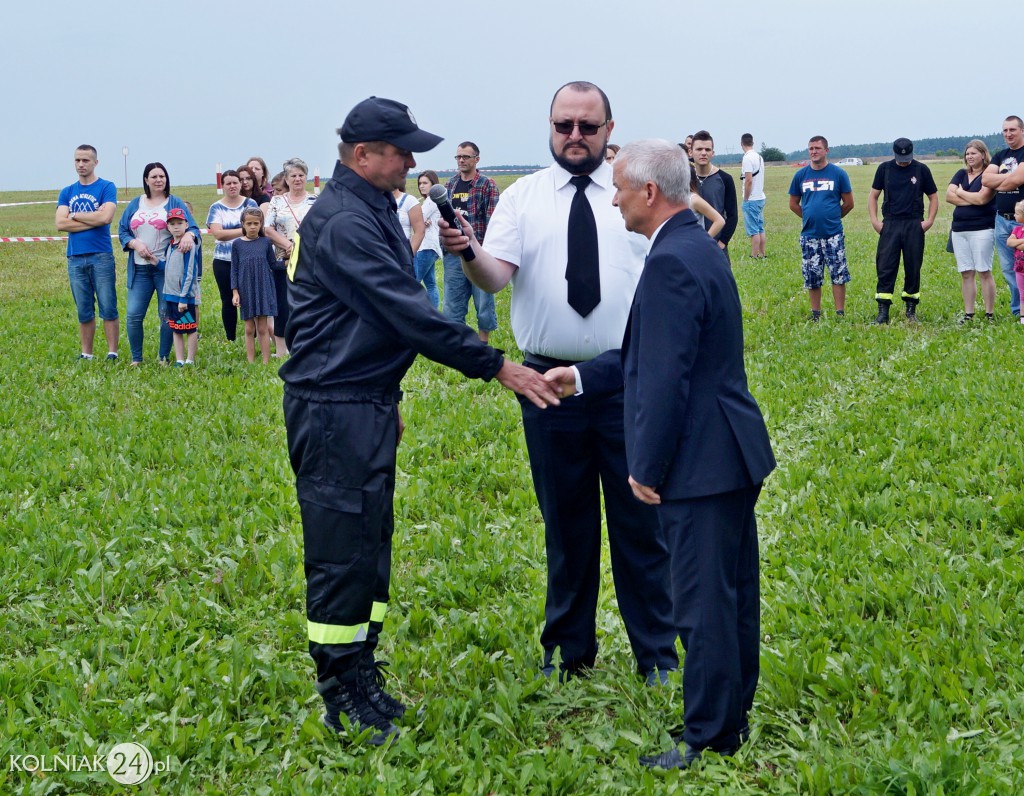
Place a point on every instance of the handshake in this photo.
(542, 391)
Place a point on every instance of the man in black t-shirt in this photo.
(715, 187)
(1003, 177)
(905, 182)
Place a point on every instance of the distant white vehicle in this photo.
(850, 162)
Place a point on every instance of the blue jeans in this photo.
(92, 276)
(1004, 226)
(148, 280)
(424, 267)
(458, 289)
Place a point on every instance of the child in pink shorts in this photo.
(1016, 242)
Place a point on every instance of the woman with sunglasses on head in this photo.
(143, 234)
(225, 224)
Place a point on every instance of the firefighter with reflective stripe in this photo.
(359, 318)
(905, 182)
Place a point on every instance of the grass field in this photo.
(152, 588)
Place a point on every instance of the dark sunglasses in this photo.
(586, 128)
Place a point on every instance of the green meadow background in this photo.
(151, 584)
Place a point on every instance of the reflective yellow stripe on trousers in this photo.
(345, 634)
(336, 634)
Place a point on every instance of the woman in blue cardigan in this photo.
(143, 234)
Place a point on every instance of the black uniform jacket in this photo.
(358, 315)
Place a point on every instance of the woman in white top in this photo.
(410, 216)
(282, 216)
(429, 251)
(225, 225)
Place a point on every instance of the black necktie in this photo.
(581, 271)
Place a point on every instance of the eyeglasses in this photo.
(586, 128)
(466, 157)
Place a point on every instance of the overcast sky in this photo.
(194, 84)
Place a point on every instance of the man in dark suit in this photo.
(696, 443)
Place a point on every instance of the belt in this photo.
(345, 395)
(548, 362)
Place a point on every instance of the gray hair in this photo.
(295, 163)
(659, 161)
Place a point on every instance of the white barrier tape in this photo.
(57, 237)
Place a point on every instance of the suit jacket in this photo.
(692, 427)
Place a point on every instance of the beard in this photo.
(585, 166)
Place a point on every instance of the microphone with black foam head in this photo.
(439, 196)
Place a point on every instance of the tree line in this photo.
(945, 146)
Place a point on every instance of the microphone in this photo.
(438, 194)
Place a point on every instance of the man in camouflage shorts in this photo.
(821, 195)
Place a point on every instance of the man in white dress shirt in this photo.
(556, 236)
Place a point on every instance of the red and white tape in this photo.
(26, 239)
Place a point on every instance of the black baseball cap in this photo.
(379, 119)
(904, 149)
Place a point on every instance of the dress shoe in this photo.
(657, 677)
(672, 759)
(742, 734)
(549, 670)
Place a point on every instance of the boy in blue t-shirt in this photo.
(821, 195)
(84, 211)
(181, 289)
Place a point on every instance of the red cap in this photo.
(176, 212)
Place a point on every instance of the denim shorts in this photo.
(93, 282)
(820, 252)
(753, 216)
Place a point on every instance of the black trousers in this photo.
(228, 311)
(577, 450)
(716, 605)
(342, 450)
(281, 291)
(899, 236)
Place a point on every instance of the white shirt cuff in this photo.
(579, 381)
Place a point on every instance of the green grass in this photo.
(152, 586)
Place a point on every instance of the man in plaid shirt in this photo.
(476, 196)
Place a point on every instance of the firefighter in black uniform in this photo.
(358, 320)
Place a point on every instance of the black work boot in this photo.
(911, 312)
(345, 696)
(370, 675)
(883, 313)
